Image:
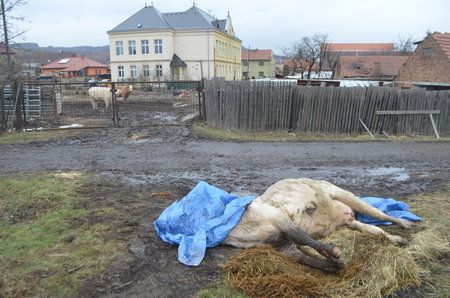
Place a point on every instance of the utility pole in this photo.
(5, 32)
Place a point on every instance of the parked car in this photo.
(46, 78)
(91, 83)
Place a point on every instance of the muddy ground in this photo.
(153, 165)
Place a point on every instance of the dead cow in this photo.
(297, 212)
(99, 94)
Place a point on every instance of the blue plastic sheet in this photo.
(201, 219)
(391, 207)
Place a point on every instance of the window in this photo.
(159, 72)
(261, 63)
(121, 72)
(119, 48)
(132, 47)
(146, 71)
(158, 46)
(427, 52)
(244, 74)
(261, 74)
(244, 63)
(133, 71)
(145, 47)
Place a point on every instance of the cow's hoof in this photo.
(399, 240)
(406, 224)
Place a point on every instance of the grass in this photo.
(242, 136)
(35, 136)
(47, 247)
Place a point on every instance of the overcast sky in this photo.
(258, 23)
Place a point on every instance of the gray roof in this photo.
(150, 18)
(176, 61)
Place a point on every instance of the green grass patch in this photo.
(243, 136)
(35, 136)
(47, 248)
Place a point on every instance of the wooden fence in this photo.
(281, 106)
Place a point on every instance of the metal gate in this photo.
(157, 103)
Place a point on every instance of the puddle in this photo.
(397, 174)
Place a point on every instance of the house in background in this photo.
(75, 66)
(429, 66)
(257, 64)
(188, 45)
(376, 68)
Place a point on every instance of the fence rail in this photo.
(273, 106)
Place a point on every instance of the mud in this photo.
(162, 164)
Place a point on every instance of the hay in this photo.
(375, 268)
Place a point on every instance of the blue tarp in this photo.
(391, 207)
(201, 219)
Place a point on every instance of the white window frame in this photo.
(121, 71)
(145, 47)
(159, 70)
(146, 71)
(119, 48)
(131, 47)
(261, 63)
(261, 74)
(133, 71)
(158, 46)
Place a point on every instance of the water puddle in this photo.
(397, 174)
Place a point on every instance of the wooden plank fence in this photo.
(281, 106)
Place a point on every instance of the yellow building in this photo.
(188, 45)
(257, 64)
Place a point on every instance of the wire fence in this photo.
(79, 104)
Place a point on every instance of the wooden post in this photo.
(434, 127)
(365, 127)
(115, 108)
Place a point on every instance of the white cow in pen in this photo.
(99, 94)
(297, 212)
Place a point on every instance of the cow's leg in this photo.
(300, 237)
(360, 206)
(94, 104)
(374, 230)
(290, 250)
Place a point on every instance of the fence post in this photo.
(2, 109)
(114, 105)
(18, 124)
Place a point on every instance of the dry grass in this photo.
(375, 268)
(242, 136)
(38, 136)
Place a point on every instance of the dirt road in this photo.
(172, 159)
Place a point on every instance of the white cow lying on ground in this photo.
(297, 211)
(99, 94)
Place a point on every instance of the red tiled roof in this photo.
(443, 40)
(256, 54)
(370, 66)
(361, 47)
(74, 64)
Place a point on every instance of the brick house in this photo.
(383, 68)
(75, 66)
(429, 64)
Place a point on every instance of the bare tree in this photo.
(405, 45)
(10, 69)
(296, 60)
(308, 55)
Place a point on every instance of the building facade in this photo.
(430, 62)
(188, 45)
(257, 64)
